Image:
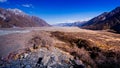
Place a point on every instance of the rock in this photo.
(28, 66)
(76, 63)
(43, 58)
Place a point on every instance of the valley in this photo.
(59, 34)
(58, 47)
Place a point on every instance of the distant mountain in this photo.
(17, 18)
(107, 20)
(78, 24)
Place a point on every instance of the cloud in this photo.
(3, 1)
(28, 5)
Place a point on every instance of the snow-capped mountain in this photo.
(16, 11)
(72, 24)
(17, 18)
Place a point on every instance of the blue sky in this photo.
(59, 11)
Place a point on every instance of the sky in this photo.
(62, 11)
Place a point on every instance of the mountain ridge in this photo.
(108, 20)
(17, 18)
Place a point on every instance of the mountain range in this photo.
(59, 47)
(17, 18)
(72, 24)
(109, 21)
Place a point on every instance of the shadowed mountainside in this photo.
(107, 20)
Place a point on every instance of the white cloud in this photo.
(3, 1)
(28, 5)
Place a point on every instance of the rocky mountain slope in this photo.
(17, 18)
(107, 20)
(58, 47)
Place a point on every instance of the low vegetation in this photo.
(90, 53)
(77, 49)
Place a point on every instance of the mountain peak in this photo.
(116, 10)
(10, 18)
(17, 11)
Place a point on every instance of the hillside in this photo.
(17, 18)
(108, 20)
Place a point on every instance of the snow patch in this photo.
(17, 11)
(2, 16)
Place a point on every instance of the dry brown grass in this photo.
(94, 54)
(94, 48)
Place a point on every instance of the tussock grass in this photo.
(93, 54)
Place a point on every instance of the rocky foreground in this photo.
(58, 47)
